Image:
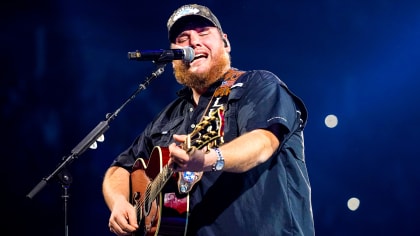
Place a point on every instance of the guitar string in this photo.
(152, 188)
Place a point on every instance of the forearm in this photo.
(246, 151)
(115, 185)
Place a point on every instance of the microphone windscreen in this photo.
(188, 54)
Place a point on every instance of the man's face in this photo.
(211, 55)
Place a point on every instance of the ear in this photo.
(227, 44)
(226, 41)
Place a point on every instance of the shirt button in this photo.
(193, 126)
(191, 109)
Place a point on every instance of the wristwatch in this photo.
(220, 162)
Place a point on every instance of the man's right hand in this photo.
(123, 220)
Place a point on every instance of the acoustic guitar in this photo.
(153, 179)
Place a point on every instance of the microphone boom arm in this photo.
(94, 135)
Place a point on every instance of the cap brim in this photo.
(188, 22)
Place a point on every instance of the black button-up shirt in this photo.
(272, 198)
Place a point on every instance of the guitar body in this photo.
(172, 208)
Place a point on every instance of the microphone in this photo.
(186, 54)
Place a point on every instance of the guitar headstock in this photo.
(209, 132)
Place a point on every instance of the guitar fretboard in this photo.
(156, 186)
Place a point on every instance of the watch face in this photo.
(220, 164)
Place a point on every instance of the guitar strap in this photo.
(229, 79)
(221, 93)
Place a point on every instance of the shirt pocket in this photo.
(162, 133)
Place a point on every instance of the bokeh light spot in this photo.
(331, 121)
(353, 203)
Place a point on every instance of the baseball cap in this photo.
(187, 14)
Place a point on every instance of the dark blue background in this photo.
(64, 66)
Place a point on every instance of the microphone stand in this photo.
(96, 134)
